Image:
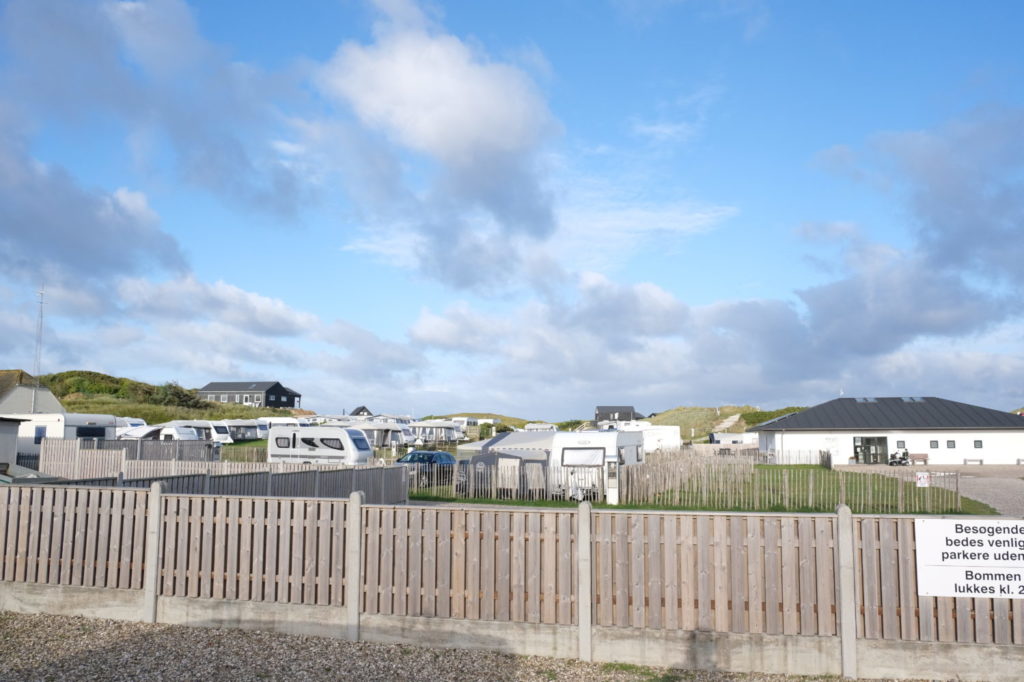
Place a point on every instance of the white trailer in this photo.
(318, 445)
(579, 463)
(71, 425)
(160, 432)
(217, 431)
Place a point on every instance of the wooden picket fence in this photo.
(718, 572)
(701, 482)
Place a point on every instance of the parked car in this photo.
(429, 467)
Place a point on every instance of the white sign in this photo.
(970, 558)
(924, 479)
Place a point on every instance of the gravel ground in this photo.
(44, 647)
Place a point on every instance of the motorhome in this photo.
(217, 431)
(35, 427)
(318, 445)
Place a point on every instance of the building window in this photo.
(246, 399)
(933, 443)
(901, 444)
(271, 397)
(977, 444)
(950, 444)
(223, 397)
(257, 399)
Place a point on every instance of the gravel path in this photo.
(43, 647)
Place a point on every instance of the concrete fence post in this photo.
(846, 596)
(584, 596)
(354, 562)
(154, 533)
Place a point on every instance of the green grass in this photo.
(881, 490)
(700, 419)
(157, 414)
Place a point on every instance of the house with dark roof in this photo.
(20, 395)
(616, 413)
(254, 393)
(868, 430)
(361, 411)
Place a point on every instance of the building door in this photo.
(872, 450)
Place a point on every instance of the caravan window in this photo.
(90, 432)
(357, 439)
(220, 429)
(582, 457)
(311, 442)
(333, 443)
(283, 442)
(40, 435)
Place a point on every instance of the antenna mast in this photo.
(39, 347)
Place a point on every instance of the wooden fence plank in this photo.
(889, 578)
(772, 577)
(906, 558)
(473, 563)
(372, 560)
(635, 557)
(671, 550)
(755, 574)
(603, 561)
(284, 550)
(488, 565)
(620, 576)
(415, 560)
(503, 575)
(790, 573)
(1001, 622)
(703, 574)
(964, 620)
(565, 586)
(533, 567)
(983, 621)
(808, 580)
(92, 510)
(206, 566)
(8, 494)
(738, 621)
(870, 562)
(400, 603)
(655, 579)
(323, 551)
(428, 594)
(518, 564)
(56, 534)
(825, 571)
(140, 524)
(445, 569)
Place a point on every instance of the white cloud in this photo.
(189, 298)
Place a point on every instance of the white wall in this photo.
(997, 447)
(8, 442)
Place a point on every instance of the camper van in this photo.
(318, 445)
(69, 425)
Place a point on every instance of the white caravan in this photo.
(217, 431)
(577, 457)
(662, 438)
(579, 463)
(318, 445)
(69, 425)
(125, 423)
(386, 434)
(159, 432)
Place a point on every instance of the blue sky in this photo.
(527, 208)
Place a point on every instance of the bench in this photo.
(918, 459)
(973, 461)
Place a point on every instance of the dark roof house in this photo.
(255, 393)
(615, 413)
(848, 414)
(361, 411)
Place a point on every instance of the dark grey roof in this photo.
(612, 409)
(892, 413)
(239, 386)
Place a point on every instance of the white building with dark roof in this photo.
(867, 430)
(254, 393)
